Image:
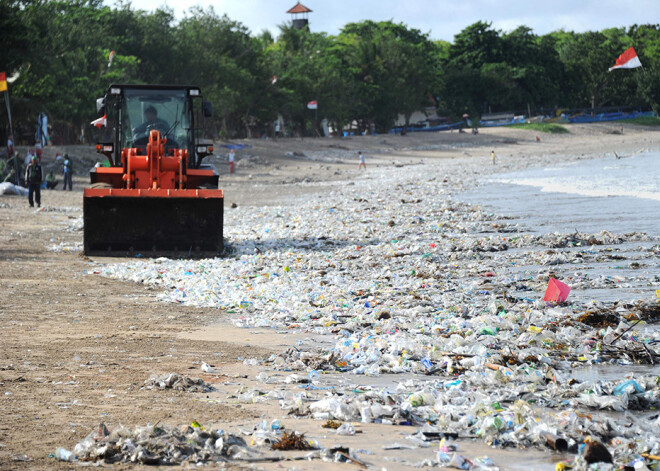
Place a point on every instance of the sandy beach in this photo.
(79, 342)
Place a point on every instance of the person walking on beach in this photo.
(492, 156)
(362, 163)
(33, 178)
(68, 173)
(230, 159)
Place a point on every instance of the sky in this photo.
(442, 19)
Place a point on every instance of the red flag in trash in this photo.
(556, 292)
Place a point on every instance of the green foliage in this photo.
(372, 72)
(644, 121)
(551, 128)
(393, 67)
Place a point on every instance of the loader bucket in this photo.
(182, 222)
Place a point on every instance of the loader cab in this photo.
(155, 195)
(134, 110)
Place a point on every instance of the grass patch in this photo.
(552, 128)
(644, 121)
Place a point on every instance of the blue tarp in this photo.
(501, 122)
(614, 116)
(442, 127)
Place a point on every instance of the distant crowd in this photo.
(34, 177)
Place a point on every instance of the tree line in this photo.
(369, 74)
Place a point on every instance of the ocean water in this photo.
(587, 196)
(615, 194)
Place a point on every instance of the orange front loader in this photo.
(153, 197)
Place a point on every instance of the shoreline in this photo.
(42, 332)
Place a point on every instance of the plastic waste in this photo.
(206, 368)
(629, 386)
(556, 292)
(345, 429)
(443, 304)
(62, 454)
(421, 398)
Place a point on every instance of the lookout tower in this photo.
(299, 14)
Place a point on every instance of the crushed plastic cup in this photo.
(426, 363)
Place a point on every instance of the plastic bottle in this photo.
(346, 429)
(421, 398)
(315, 444)
(451, 384)
(62, 454)
(263, 377)
(365, 414)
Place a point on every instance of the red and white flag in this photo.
(627, 60)
(102, 121)
(313, 105)
(274, 80)
(111, 57)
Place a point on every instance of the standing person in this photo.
(10, 146)
(362, 163)
(277, 128)
(68, 173)
(28, 157)
(33, 178)
(39, 150)
(232, 154)
(492, 156)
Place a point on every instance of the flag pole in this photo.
(11, 126)
(11, 133)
